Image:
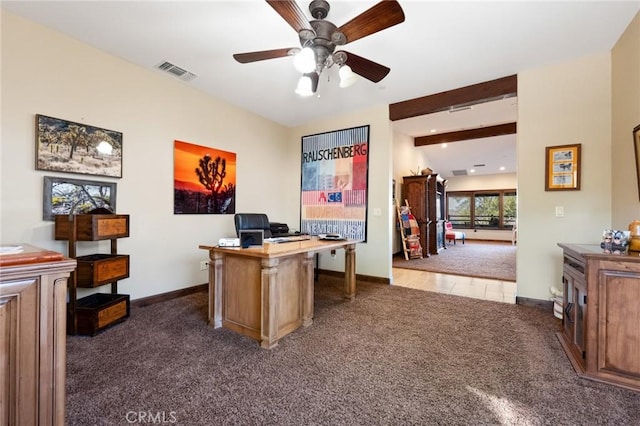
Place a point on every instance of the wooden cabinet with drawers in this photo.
(601, 332)
(94, 313)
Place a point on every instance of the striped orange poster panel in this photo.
(335, 167)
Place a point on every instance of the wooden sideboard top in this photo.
(594, 251)
(283, 249)
(29, 254)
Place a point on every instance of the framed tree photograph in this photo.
(74, 196)
(65, 146)
(204, 180)
(562, 165)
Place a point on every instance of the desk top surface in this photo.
(284, 249)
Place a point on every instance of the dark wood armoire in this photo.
(426, 197)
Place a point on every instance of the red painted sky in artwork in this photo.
(186, 157)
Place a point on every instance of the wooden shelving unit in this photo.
(94, 313)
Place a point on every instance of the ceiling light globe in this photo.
(305, 61)
(347, 76)
(304, 86)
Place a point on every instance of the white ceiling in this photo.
(442, 45)
(497, 154)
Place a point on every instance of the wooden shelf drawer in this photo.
(96, 270)
(99, 311)
(92, 227)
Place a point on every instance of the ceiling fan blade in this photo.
(366, 68)
(245, 58)
(291, 12)
(383, 15)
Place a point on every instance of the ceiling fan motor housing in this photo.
(321, 44)
(319, 9)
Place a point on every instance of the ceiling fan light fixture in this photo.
(304, 86)
(347, 76)
(319, 38)
(305, 61)
(308, 84)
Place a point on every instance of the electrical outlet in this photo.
(204, 264)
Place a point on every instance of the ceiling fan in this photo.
(319, 39)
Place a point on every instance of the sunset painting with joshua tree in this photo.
(204, 180)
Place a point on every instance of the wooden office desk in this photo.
(266, 292)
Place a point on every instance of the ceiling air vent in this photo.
(459, 172)
(176, 71)
(458, 109)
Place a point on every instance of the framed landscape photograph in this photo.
(562, 165)
(74, 196)
(65, 146)
(204, 180)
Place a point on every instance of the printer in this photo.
(279, 229)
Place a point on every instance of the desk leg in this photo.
(350, 272)
(216, 277)
(307, 290)
(269, 290)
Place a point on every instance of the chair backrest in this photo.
(448, 226)
(252, 221)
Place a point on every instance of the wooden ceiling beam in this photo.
(476, 93)
(463, 135)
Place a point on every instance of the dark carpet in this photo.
(394, 356)
(495, 260)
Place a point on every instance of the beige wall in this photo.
(374, 256)
(82, 84)
(45, 72)
(567, 103)
(625, 70)
(472, 183)
(559, 104)
(406, 158)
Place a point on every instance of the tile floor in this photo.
(479, 288)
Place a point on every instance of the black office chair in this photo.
(261, 221)
(252, 221)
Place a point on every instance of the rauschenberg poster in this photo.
(204, 180)
(334, 183)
